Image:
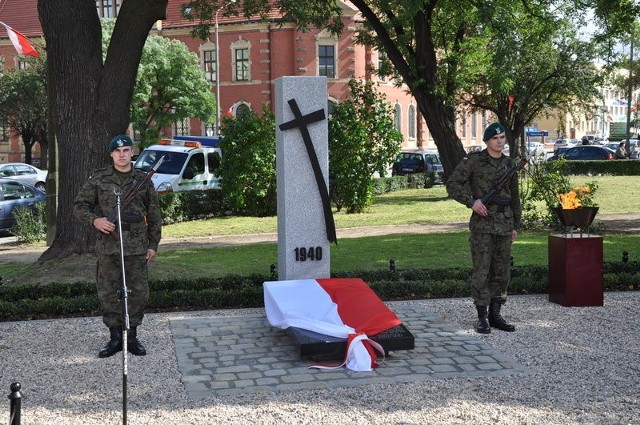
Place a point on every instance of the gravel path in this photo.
(582, 362)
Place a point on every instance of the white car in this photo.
(24, 173)
(536, 149)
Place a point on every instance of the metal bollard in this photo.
(15, 401)
(625, 256)
(392, 264)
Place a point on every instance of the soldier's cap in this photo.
(492, 130)
(119, 141)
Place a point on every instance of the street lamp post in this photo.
(218, 69)
(217, 76)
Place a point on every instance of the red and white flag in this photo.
(342, 308)
(20, 42)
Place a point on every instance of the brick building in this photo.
(252, 55)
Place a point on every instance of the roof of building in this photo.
(22, 16)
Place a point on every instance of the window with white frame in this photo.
(326, 60)
(411, 121)
(108, 8)
(397, 117)
(240, 60)
(382, 68)
(242, 109)
(209, 65)
(474, 125)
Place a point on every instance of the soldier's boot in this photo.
(133, 344)
(496, 320)
(482, 325)
(114, 345)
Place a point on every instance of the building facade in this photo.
(242, 58)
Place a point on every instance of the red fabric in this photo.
(358, 306)
(20, 42)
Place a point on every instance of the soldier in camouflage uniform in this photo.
(493, 227)
(141, 230)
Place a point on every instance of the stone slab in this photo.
(244, 354)
(318, 347)
(303, 247)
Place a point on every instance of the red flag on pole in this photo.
(20, 42)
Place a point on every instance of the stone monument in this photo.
(305, 220)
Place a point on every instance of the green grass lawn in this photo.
(409, 251)
(614, 195)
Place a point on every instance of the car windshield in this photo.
(433, 159)
(409, 158)
(172, 164)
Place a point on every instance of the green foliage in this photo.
(170, 86)
(30, 225)
(24, 302)
(23, 94)
(192, 205)
(362, 142)
(248, 170)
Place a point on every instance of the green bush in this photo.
(30, 225)
(192, 205)
(25, 302)
(610, 168)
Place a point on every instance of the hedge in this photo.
(55, 300)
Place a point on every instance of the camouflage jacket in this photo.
(473, 178)
(97, 199)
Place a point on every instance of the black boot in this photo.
(482, 326)
(114, 345)
(496, 320)
(133, 345)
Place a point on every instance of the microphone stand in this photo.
(124, 295)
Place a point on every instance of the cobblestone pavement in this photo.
(220, 356)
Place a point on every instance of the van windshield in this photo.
(172, 164)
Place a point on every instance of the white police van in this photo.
(190, 163)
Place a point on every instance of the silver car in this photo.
(16, 195)
(24, 173)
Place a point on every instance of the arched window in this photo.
(397, 117)
(242, 109)
(411, 116)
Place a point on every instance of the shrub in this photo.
(30, 225)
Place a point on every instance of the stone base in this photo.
(320, 347)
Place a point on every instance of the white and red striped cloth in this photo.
(343, 308)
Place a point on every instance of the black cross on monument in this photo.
(302, 121)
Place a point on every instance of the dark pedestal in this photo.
(322, 347)
(575, 270)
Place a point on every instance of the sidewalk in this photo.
(561, 366)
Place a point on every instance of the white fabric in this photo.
(305, 304)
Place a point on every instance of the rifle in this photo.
(131, 192)
(504, 178)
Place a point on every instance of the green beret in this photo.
(119, 141)
(492, 130)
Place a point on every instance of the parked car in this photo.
(564, 143)
(585, 153)
(612, 145)
(24, 173)
(14, 194)
(536, 149)
(418, 161)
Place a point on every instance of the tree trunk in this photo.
(91, 100)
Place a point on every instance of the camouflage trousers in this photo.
(109, 284)
(491, 257)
